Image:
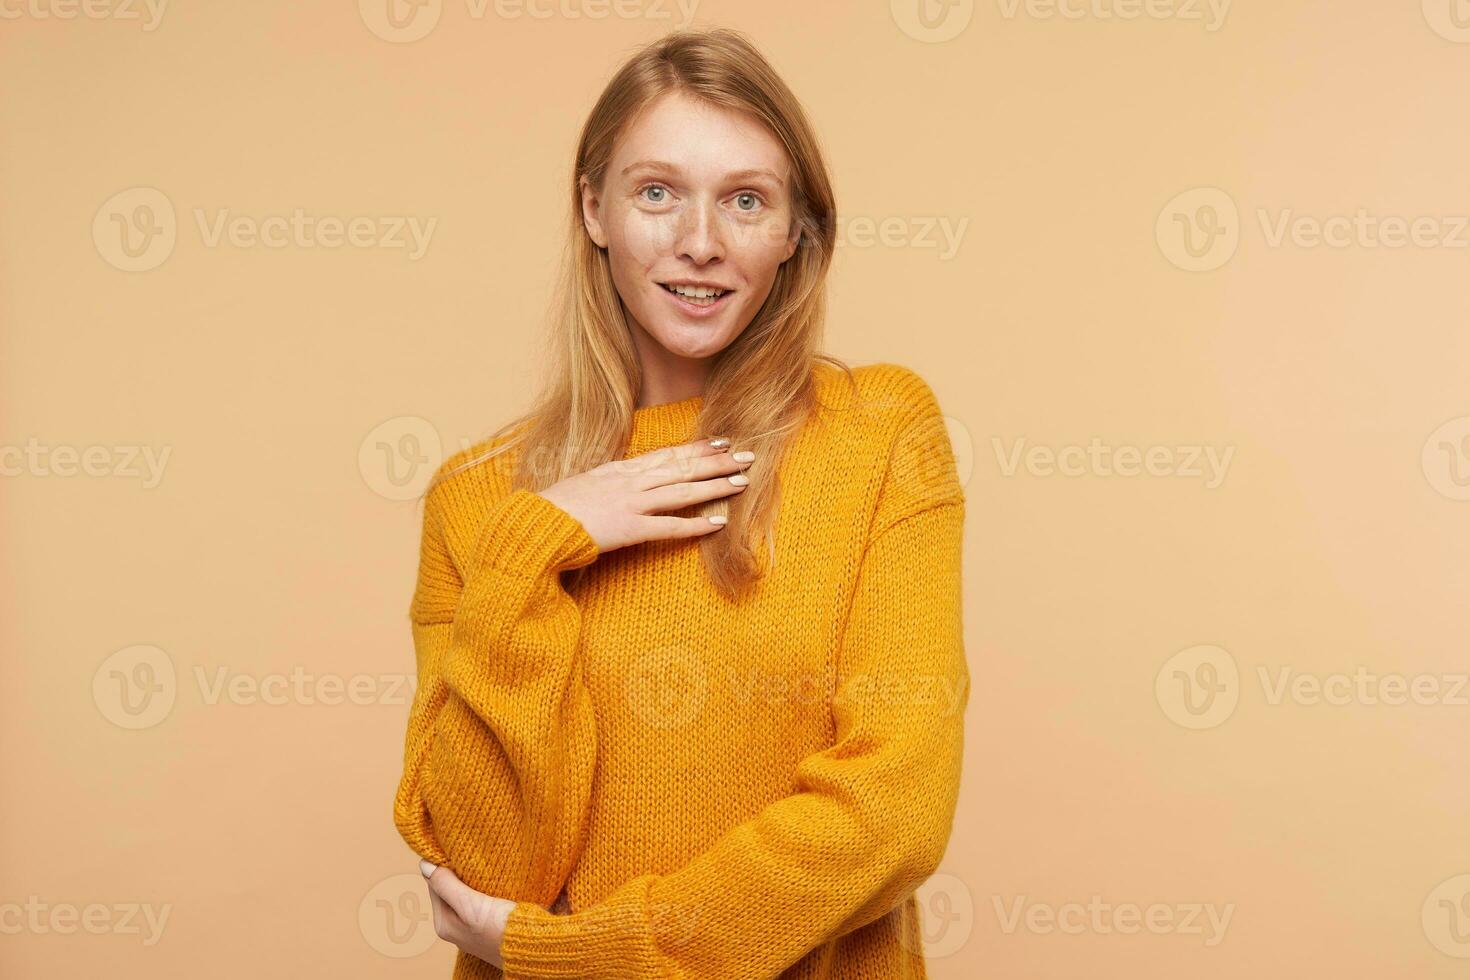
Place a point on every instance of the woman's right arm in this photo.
(501, 741)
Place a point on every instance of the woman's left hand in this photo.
(473, 921)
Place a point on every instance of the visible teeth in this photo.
(697, 292)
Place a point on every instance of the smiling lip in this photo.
(694, 282)
(692, 309)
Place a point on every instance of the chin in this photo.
(694, 351)
(692, 341)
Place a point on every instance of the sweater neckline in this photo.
(656, 426)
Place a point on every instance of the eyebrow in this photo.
(746, 174)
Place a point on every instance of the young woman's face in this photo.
(693, 194)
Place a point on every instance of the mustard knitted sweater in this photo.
(711, 790)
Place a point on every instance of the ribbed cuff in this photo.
(525, 534)
(612, 940)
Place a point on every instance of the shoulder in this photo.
(890, 390)
(892, 414)
(881, 404)
(461, 493)
(898, 387)
(465, 486)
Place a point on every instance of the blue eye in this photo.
(654, 187)
(753, 197)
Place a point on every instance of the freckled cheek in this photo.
(644, 238)
(758, 249)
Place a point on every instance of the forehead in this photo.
(704, 141)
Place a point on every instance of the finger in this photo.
(695, 447)
(677, 454)
(459, 896)
(447, 923)
(691, 468)
(671, 457)
(677, 496)
(680, 527)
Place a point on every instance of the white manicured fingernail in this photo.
(719, 443)
(744, 456)
(426, 867)
(718, 519)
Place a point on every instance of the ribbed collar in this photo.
(656, 426)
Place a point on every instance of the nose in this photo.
(701, 234)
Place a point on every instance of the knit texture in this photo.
(707, 789)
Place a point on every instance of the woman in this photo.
(671, 722)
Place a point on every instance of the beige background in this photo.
(299, 392)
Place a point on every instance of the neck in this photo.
(667, 377)
(667, 423)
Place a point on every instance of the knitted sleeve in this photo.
(501, 742)
(869, 817)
